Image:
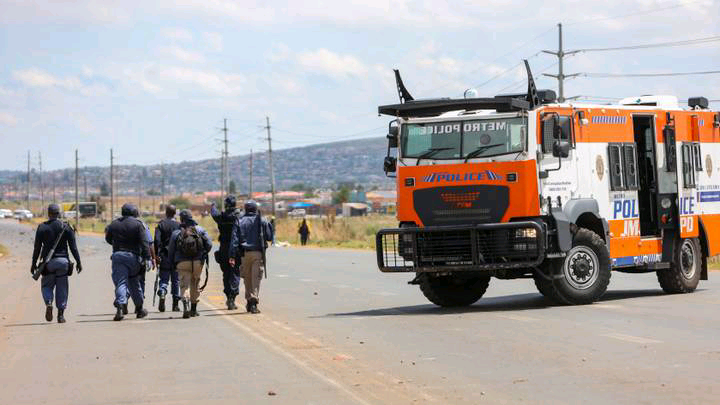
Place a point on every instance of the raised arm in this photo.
(215, 213)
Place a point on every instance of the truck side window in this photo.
(688, 165)
(550, 135)
(630, 173)
(697, 156)
(616, 167)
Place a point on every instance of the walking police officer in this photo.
(128, 237)
(166, 267)
(147, 264)
(246, 239)
(188, 248)
(54, 281)
(226, 220)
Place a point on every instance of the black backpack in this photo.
(190, 242)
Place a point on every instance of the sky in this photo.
(154, 80)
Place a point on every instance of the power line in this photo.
(606, 75)
(635, 13)
(654, 45)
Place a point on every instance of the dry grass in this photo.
(4, 252)
(353, 232)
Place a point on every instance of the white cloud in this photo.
(184, 55)
(7, 119)
(179, 34)
(278, 53)
(36, 77)
(214, 41)
(331, 63)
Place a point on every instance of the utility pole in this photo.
(42, 186)
(112, 185)
(28, 183)
(250, 196)
(272, 173)
(561, 76)
(77, 202)
(85, 183)
(225, 169)
(162, 186)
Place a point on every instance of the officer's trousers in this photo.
(126, 269)
(168, 275)
(231, 276)
(252, 272)
(189, 272)
(54, 284)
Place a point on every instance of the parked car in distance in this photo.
(297, 213)
(22, 214)
(5, 213)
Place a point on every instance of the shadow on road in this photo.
(517, 302)
(13, 325)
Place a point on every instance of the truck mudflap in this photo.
(461, 248)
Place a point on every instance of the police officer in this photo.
(246, 238)
(188, 248)
(231, 274)
(163, 232)
(54, 280)
(146, 264)
(128, 237)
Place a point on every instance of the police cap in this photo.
(251, 206)
(128, 210)
(53, 210)
(185, 215)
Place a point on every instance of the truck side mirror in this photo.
(561, 149)
(392, 135)
(390, 164)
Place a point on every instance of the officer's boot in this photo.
(176, 307)
(118, 313)
(161, 304)
(193, 309)
(141, 312)
(252, 306)
(232, 302)
(61, 315)
(228, 303)
(48, 312)
(124, 309)
(186, 312)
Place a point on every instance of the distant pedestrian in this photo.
(304, 231)
(166, 267)
(188, 248)
(54, 281)
(128, 237)
(246, 239)
(226, 221)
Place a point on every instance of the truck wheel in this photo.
(582, 276)
(683, 275)
(545, 286)
(452, 291)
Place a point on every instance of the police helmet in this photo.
(230, 202)
(185, 215)
(170, 211)
(53, 210)
(251, 206)
(128, 210)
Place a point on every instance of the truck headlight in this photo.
(528, 233)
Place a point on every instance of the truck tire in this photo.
(582, 276)
(684, 273)
(452, 291)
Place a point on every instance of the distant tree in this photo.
(232, 187)
(180, 202)
(153, 192)
(298, 187)
(309, 194)
(342, 195)
(104, 189)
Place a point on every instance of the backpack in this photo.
(190, 242)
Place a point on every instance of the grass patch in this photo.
(353, 232)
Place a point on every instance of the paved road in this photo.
(334, 330)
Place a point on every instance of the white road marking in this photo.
(605, 306)
(281, 275)
(631, 339)
(383, 294)
(341, 286)
(307, 280)
(302, 364)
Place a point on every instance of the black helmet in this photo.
(251, 206)
(230, 202)
(53, 210)
(185, 215)
(128, 210)
(170, 211)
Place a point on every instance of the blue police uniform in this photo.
(166, 267)
(231, 274)
(54, 281)
(128, 237)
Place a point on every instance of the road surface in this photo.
(334, 330)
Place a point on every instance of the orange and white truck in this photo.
(522, 186)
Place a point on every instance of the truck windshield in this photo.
(464, 139)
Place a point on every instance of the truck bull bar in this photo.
(461, 248)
